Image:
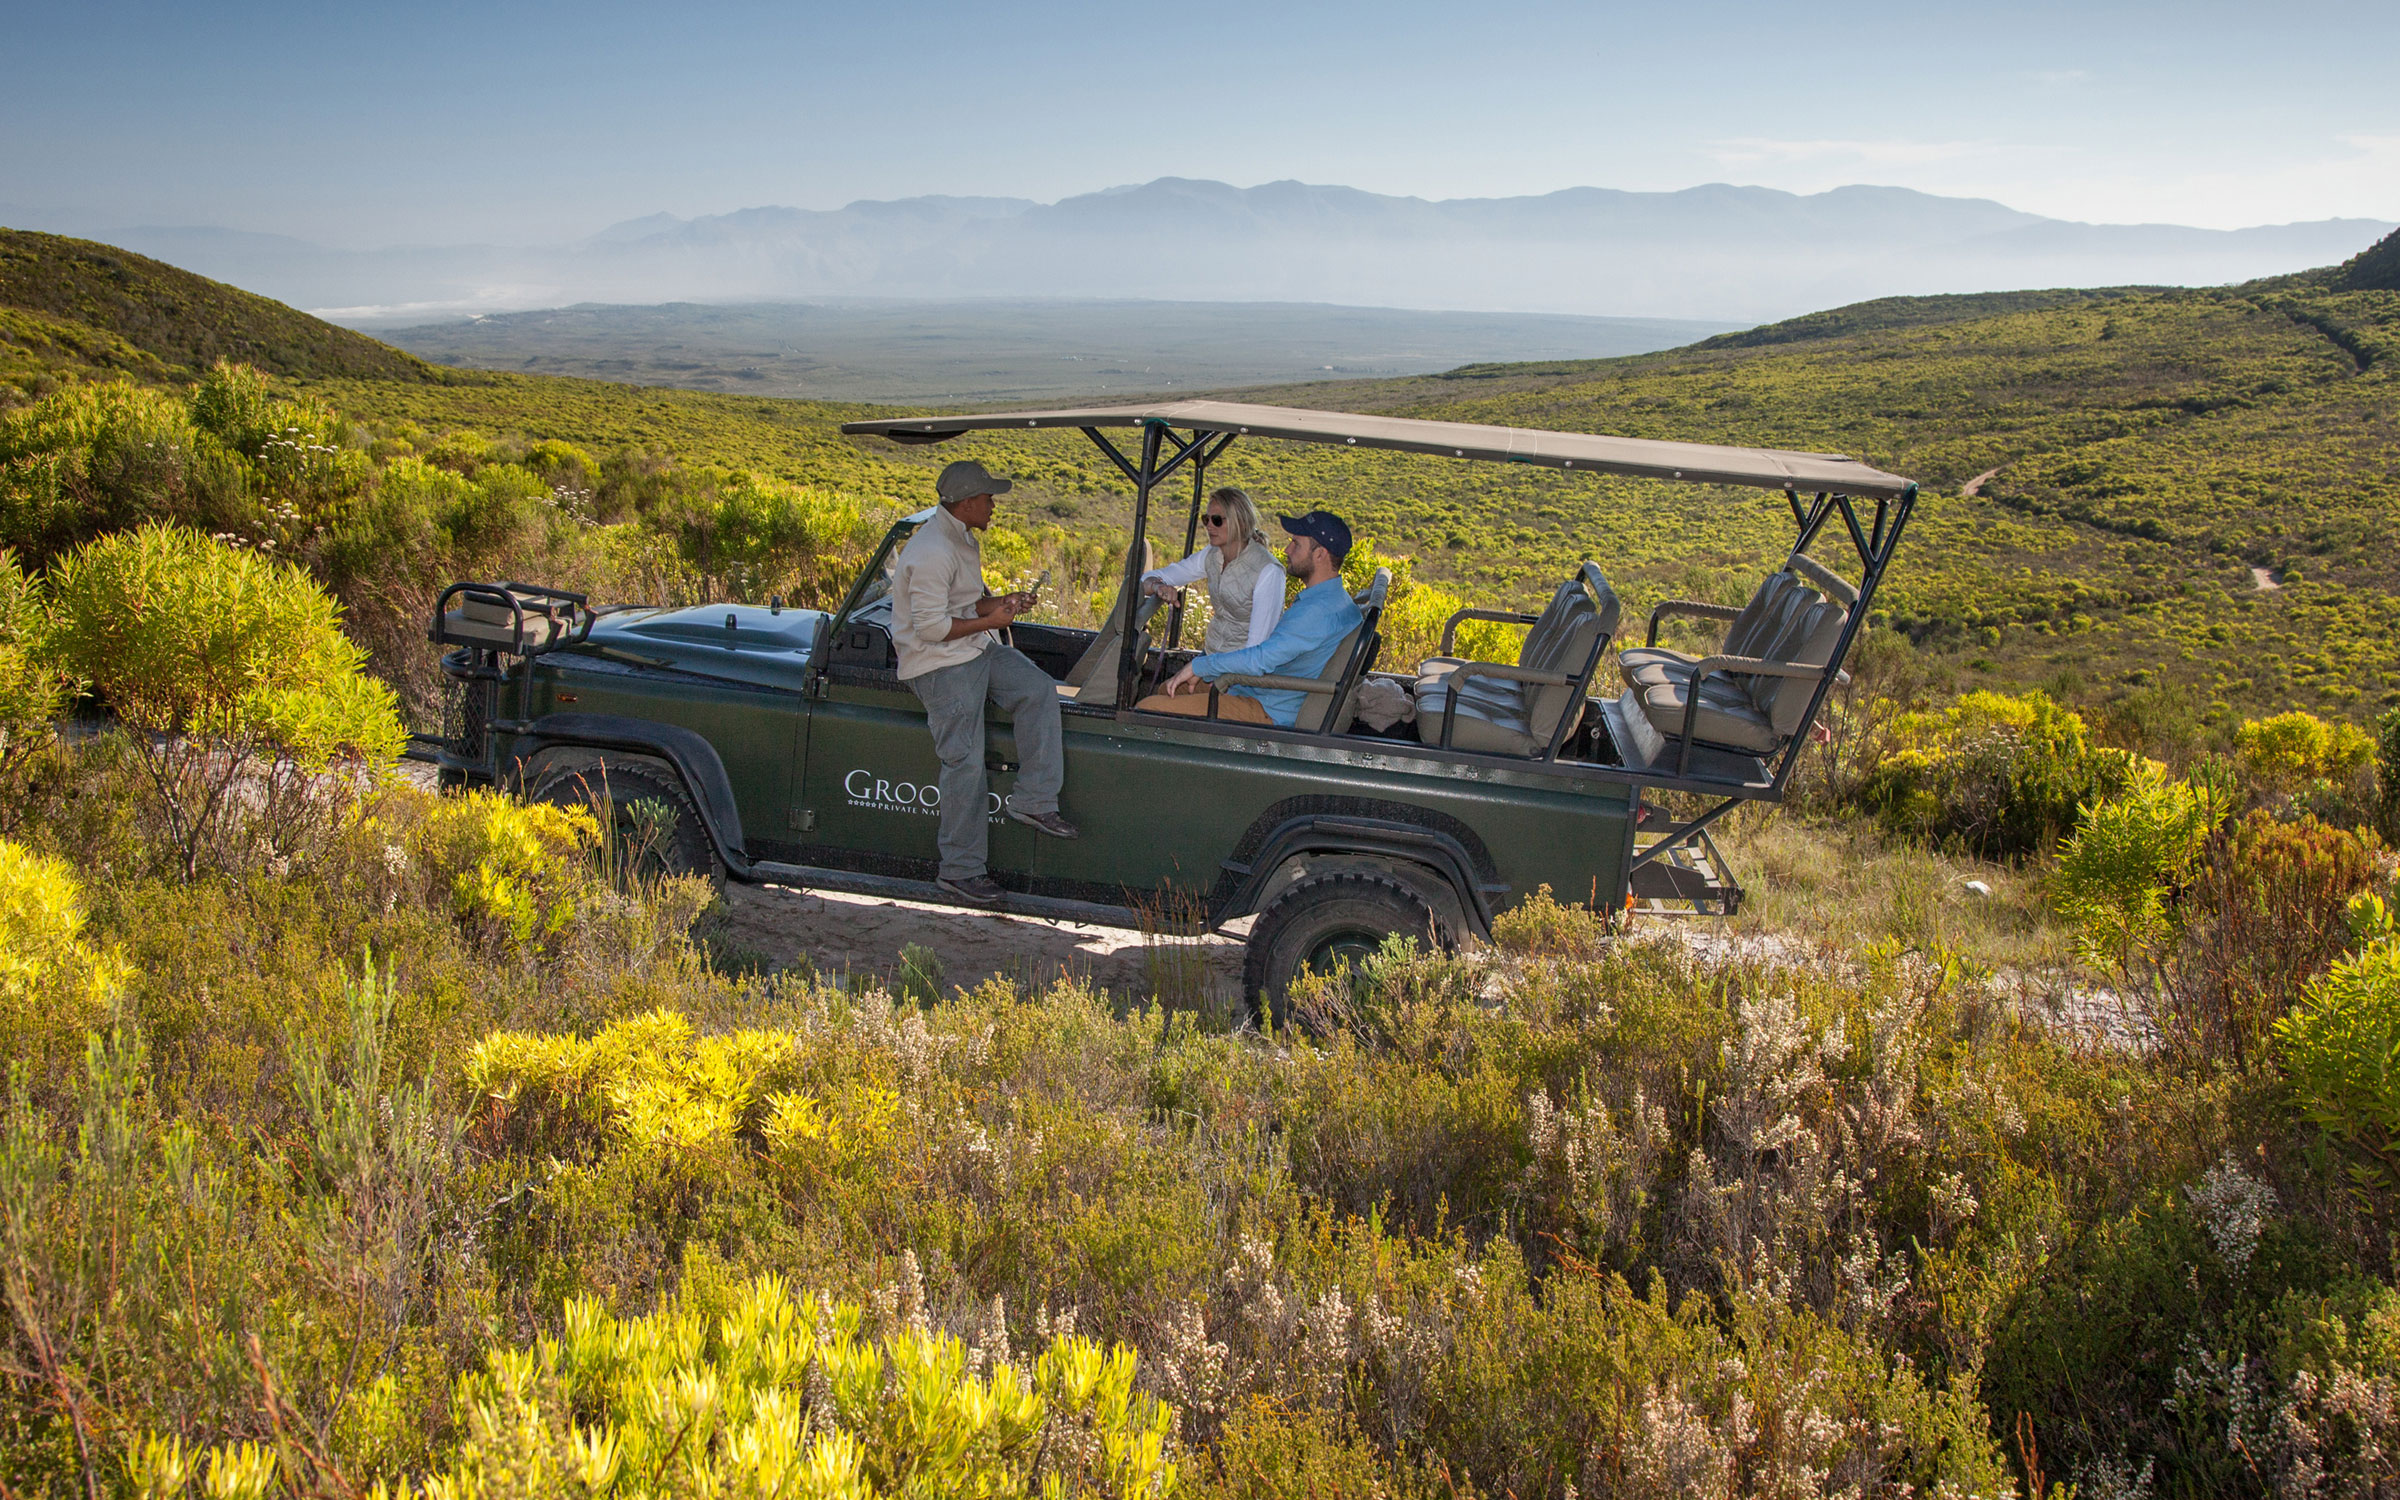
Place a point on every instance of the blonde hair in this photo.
(1241, 515)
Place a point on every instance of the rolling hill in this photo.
(74, 306)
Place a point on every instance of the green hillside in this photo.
(2147, 451)
(71, 305)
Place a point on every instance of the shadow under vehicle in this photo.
(772, 744)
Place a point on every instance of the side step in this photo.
(893, 888)
(1689, 880)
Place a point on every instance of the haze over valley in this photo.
(1715, 253)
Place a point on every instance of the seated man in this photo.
(1302, 645)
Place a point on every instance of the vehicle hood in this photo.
(738, 642)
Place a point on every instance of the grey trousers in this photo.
(954, 699)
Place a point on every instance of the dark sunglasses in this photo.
(1213, 520)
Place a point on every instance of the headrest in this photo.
(1823, 577)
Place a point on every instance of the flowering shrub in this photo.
(509, 867)
(53, 983)
(183, 635)
(2002, 776)
(2290, 750)
(649, 1083)
(781, 1396)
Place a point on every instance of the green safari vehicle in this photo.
(777, 745)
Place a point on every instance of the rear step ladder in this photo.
(1690, 879)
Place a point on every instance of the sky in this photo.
(434, 123)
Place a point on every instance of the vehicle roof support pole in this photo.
(1100, 441)
(1868, 579)
(1129, 662)
(1191, 537)
(1813, 522)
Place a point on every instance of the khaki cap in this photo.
(967, 477)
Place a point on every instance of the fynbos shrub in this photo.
(213, 656)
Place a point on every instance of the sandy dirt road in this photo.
(861, 936)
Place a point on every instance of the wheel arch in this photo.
(685, 752)
(1440, 859)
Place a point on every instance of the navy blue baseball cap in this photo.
(1323, 527)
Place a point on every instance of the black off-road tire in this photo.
(1324, 919)
(613, 791)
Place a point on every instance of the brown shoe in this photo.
(1049, 823)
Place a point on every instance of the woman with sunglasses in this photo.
(1245, 582)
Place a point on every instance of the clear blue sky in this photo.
(438, 122)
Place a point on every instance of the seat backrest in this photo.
(1542, 639)
(1348, 665)
(1093, 676)
(1784, 700)
(1589, 625)
(1760, 615)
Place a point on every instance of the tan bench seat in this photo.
(1756, 700)
(1529, 706)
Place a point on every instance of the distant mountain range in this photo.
(1730, 254)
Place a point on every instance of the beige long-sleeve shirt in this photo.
(938, 580)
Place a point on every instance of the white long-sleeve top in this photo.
(1266, 595)
(937, 581)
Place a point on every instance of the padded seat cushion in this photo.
(473, 621)
(1487, 728)
(1736, 724)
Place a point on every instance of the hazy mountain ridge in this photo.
(1714, 252)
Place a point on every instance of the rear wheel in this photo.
(1323, 922)
(652, 826)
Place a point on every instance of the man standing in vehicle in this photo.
(942, 627)
(1316, 621)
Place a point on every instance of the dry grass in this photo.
(1851, 887)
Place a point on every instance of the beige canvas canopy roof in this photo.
(1647, 458)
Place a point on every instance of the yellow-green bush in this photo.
(786, 1396)
(91, 459)
(2001, 775)
(515, 868)
(32, 691)
(649, 1082)
(53, 983)
(2340, 1050)
(182, 634)
(2295, 748)
(2118, 872)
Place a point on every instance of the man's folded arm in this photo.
(927, 599)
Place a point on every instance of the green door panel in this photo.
(1163, 807)
(873, 783)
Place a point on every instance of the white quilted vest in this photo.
(1230, 586)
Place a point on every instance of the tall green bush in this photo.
(2120, 869)
(92, 459)
(225, 664)
(2340, 1051)
(180, 634)
(2387, 777)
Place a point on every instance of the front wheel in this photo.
(1322, 923)
(648, 819)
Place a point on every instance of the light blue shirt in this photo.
(1302, 645)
